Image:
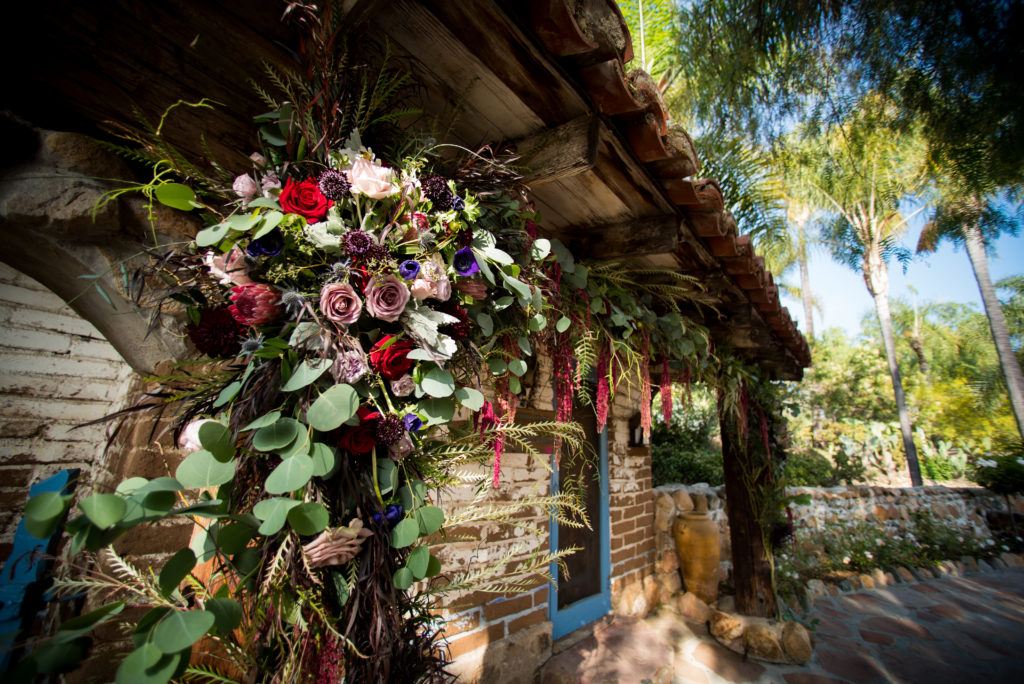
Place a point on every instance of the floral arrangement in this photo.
(365, 322)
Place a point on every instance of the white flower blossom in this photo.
(986, 463)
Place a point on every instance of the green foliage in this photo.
(1002, 473)
(685, 452)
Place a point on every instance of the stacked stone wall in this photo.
(891, 508)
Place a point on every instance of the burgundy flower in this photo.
(255, 304)
(358, 243)
(360, 438)
(459, 330)
(437, 191)
(217, 334)
(391, 361)
(389, 430)
(334, 184)
(305, 199)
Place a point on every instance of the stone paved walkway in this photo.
(951, 630)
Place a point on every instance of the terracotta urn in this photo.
(697, 545)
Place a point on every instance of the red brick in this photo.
(621, 555)
(463, 622)
(528, 620)
(500, 609)
(617, 543)
(615, 514)
(623, 527)
(475, 640)
(637, 536)
(540, 597)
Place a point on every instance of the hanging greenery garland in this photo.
(353, 309)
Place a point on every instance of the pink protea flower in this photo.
(255, 304)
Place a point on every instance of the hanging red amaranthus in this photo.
(744, 408)
(485, 420)
(602, 388)
(666, 392)
(645, 390)
(767, 448)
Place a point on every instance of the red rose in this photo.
(305, 199)
(393, 362)
(359, 439)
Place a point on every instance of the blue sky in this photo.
(943, 276)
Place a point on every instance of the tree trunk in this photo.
(750, 570)
(805, 280)
(997, 322)
(876, 276)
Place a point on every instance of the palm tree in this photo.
(967, 216)
(861, 172)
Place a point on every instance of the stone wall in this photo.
(56, 372)
(889, 507)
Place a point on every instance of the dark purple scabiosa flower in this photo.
(436, 189)
(270, 244)
(389, 430)
(464, 262)
(409, 269)
(334, 184)
(358, 243)
(217, 334)
(464, 238)
(412, 422)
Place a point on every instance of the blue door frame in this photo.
(588, 609)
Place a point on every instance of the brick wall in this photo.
(501, 639)
(56, 372)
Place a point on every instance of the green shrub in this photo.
(685, 453)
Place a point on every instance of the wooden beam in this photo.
(559, 152)
(628, 238)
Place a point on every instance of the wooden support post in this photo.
(750, 570)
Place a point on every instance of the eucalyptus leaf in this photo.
(430, 519)
(307, 372)
(486, 324)
(308, 518)
(176, 569)
(433, 566)
(438, 383)
(270, 221)
(274, 513)
(537, 322)
(497, 366)
(402, 579)
(417, 561)
(227, 614)
(133, 669)
(470, 398)
(387, 476)
(514, 385)
(332, 408)
(498, 256)
(324, 459)
(182, 628)
(103, 510)
(565, 258)
(201, 469)
(263, 421)
(233, 537)
(405, 533)
(227, 394)
(78, 626)
(524, 344)
(277, 435)
(218, 440)
(517, 367)
(264, 203)
(208, 237)
(436, 411)
(563, 324)
(540, 248)
(43, 513)
(289, 475)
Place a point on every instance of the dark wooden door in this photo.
(584, 566)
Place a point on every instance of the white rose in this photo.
(245, 187)
(371, 180)
(189, 438)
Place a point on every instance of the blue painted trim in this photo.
(586, 610)
(28, 564)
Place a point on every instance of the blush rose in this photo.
(386, 298)
(371, 179)
(340, 304)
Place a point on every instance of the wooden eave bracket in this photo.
(559, 152)
(657, 235)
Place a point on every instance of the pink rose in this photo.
(386, 299)
(432, 281)
(245, 187)
(370, 179)
(228, 269)
(340, 303)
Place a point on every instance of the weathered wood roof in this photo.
(604, 175)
